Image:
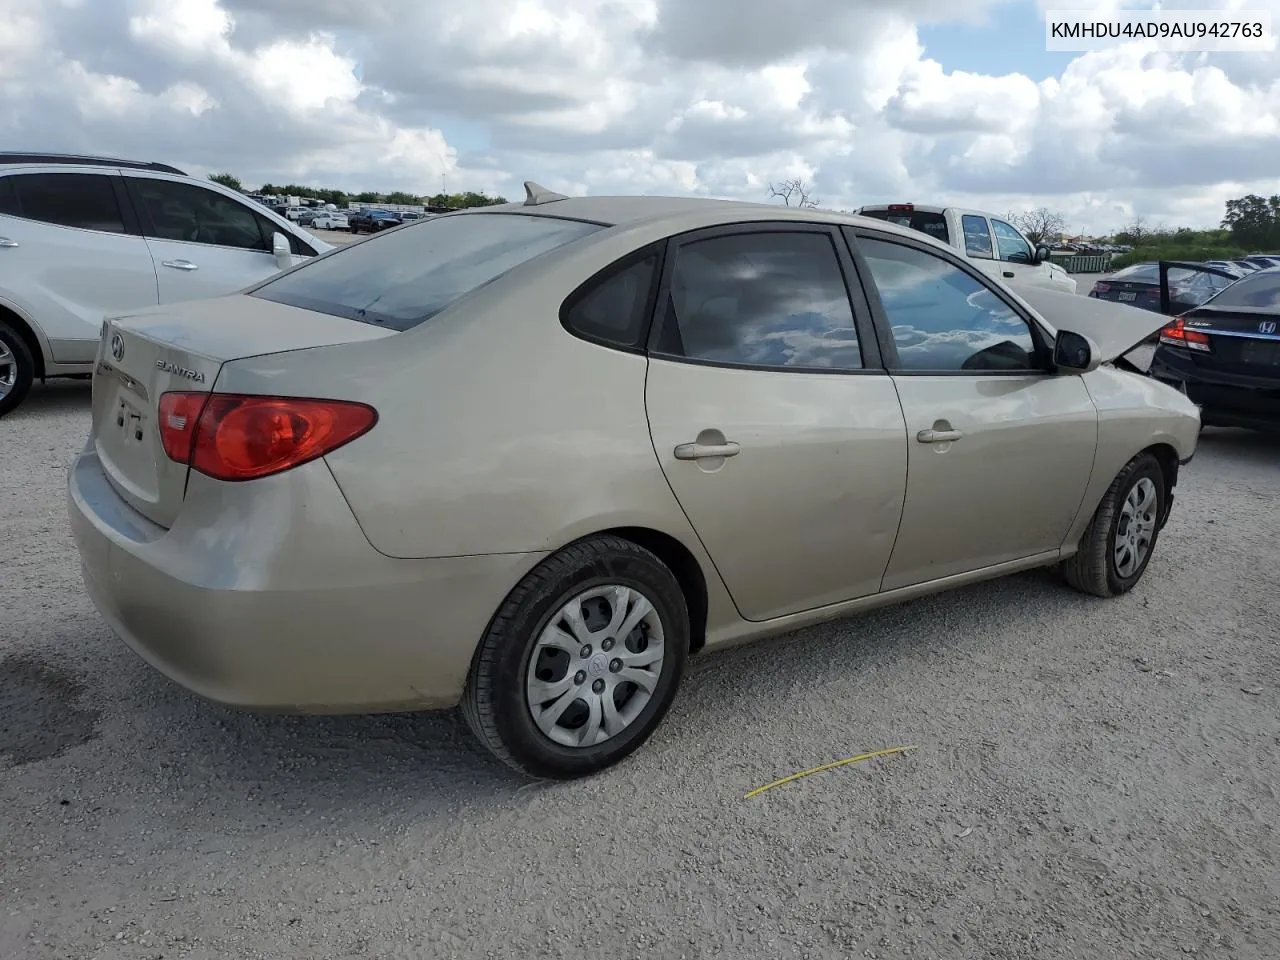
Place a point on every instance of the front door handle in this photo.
(180, 264)
(6, 242)
(938, 436)
(707, 451)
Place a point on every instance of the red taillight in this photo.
(902, 206)
(242, 437)
(1176, 334)
(179, 413)
(1101, 287)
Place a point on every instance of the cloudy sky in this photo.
(951, 101)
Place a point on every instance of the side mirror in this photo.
(280, 248)
(1075, 353)
(1043, 253)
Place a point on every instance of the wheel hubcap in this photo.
(1136, 527)
(595, 666)
(8, 370)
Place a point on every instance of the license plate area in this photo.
(1260, 352)
(131, 421)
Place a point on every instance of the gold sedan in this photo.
(528, 458)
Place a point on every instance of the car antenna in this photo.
(535, 194)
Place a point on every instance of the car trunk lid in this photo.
(1133, 292)
(144, 355)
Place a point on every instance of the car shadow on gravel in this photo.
(1240, 446)
(41, 716)
(52, 399)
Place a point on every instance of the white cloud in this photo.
(716, 98)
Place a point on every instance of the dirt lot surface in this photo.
(1092, 779)
(337, 237)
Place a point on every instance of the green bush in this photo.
(1176, 249)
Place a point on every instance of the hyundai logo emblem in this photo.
(1267, 326)
(117, 346)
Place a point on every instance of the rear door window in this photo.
(977, 236)
(761, 299)
(83, 200)
(401, 278)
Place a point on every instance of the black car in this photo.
(371, 221)
(1189, 285)
(1225, 354)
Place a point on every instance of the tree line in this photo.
(340, 198)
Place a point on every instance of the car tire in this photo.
(1110, 561)
(515, 674)
(18, 370)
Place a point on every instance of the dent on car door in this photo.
(204, 243)
(1000, 448)
(777, 429)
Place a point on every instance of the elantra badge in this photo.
(178, 371)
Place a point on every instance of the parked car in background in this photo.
(1263, 260)
(321, 219)
(1139, 285)
(996, 247)
(373, 221)
(752, 373)
(1225, 354)
(330, 220)
(81, 237)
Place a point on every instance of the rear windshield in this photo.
(408, 275)
(934, 224)
(1139, 271)
(1255, 290)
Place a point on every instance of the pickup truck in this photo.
(995, 246)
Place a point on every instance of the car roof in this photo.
(14, 158)
(621, 211)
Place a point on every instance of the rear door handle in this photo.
(1008, 273)
(938, 436)
(6, 242)
(707, 451)
(180, 264)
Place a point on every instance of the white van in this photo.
(995, 246)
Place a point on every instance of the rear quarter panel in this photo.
(498, 431)
(1135, 413)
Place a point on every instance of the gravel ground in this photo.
(1092, 779)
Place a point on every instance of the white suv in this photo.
(86, 237)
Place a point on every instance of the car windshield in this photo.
(1138, 272)
(1150, 273)
(934, 224)
(403, 277)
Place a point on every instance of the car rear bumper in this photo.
(272, 599)
(1225, 400)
